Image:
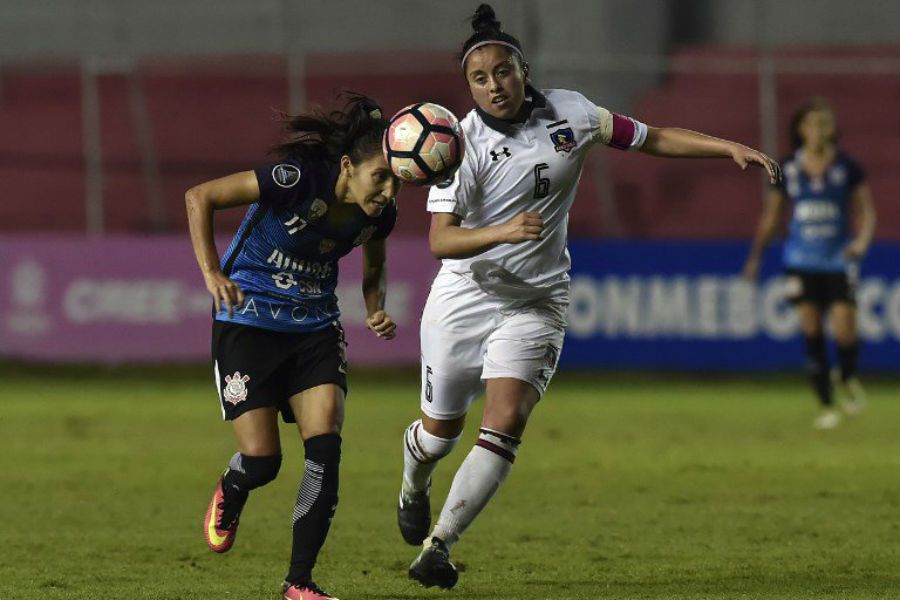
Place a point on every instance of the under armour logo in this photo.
(495, 156)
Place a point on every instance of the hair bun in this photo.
(370, 107)
(485, 19)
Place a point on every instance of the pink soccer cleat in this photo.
(305, 591)
(219, 535)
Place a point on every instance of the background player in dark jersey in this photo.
(825, 187)
(277, 343)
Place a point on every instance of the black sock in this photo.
(316, 504)
(245, 473)
(817, 368)
(848, 356)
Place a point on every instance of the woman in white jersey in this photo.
(495, 319)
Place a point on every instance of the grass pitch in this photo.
(625, 487)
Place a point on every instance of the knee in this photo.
(509, 418)
(447, 429)
(811, 324)
(328, 421)
(844, 340)
(309, 431)
(844, 335)
(812, 330)
(508, 406)
(333, 420)
(260, 448)
(257, 470)
(427, 447)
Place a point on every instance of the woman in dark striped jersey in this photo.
(826, 190)
(277, 342)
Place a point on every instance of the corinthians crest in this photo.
(235, 387)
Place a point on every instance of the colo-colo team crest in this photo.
(563, 139)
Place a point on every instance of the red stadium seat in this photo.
(210, 118)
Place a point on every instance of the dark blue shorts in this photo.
(822, 289)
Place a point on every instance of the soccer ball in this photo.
(424, 144)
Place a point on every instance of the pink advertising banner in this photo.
(117, 299)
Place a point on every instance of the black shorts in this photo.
(257, 367)
(822, 289)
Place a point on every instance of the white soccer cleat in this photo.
(829, 418)
(851, 392)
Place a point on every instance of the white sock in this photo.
(476, 482)
(421, 453)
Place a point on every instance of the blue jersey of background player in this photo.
(277, 344)
(285, 255)
(827, 190)
(819, 230)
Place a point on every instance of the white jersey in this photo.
(533, 166)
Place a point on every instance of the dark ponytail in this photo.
(356, 131)
(486, 29)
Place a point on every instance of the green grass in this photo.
(625, 487)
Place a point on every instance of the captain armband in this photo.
(619, 131)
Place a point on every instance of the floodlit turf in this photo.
(625, 487)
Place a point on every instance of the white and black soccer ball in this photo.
(424, 144)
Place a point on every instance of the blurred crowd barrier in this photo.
(634, 305)
(128, 299)
(107, 146)
(96, 154)
(684, 305)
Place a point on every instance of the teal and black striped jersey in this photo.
(819, 230)
(286, 251)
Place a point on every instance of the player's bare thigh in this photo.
(447, 429)
(257, 432)
(810, 319)
(843, 320)
(319, 410)
(508, 405)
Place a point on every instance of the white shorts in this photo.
(469, 336)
